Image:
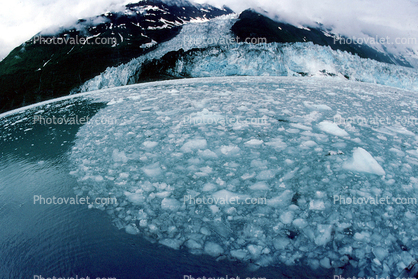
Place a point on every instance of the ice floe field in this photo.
(263, 170)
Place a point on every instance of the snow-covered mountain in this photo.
(156, 39)
(38, 70)
(194, 53)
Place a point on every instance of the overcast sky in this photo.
(21, 19)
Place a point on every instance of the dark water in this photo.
(72, 240)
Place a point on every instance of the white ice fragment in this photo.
(323, 234)
(122, 175)
(239, 254)
(224, 197)
(259, 186)
(316, 205)
(164, 194)
(247, 175)
(172, 243)
(150, 144)
(325, 263)
(301, 126)
(281, 242)
(300, 223)
(280, 201)
(152, 170)
(307, 144)
(289, 175)
(131, 229)
(213, 249)
(193, 244)
(380, 253)
(170, 204)
(332, 128)
(363, 161)
(410, 215)
(230, 150)
(276, 143)
(287, 217)
(209, 187)
(255, 251)
(313, 106)
(135, 198)
(214, 209)
(207, 154)
(194, 144)
(362, 236)
(266, 175)
(114, 101)
(254, 142)
(119, 156)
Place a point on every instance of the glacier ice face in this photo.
(179, 182)
(241, 59)
(192, 35)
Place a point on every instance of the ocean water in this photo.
(41, 240)
(321, 141)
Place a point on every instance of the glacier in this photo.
(299, 169)
(242, 59)
(192, 35)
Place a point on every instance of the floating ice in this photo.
(332, 128)
(362, 161)
(194, 144)
(265, 194)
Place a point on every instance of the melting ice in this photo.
(298, 161)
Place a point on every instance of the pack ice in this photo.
(293, 166)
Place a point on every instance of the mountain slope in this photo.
(254, 25)
(37, 71)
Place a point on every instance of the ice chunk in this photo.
(254, 142)
(135, 198)
(239, 254)
(362, 161)
(119, 156)
(266, 175)
(132, 229)
(362, 236)
(259, 186)
(316, 205)
(313, 106)
(325, 263)
(307, 144)
(214, 208)
(152, 170)
(287, 217)
(281, 242)
(172, 243)
(280, 201)
(150, 144)
(207, 154)
(300, 223)
(213, 249)
(223, 197)
(332, 128)
(247, 175)
(323, 234)
(194, 144)
(193, 244)
(277, 143)
(230, 150)
(170, 204)
(255, 251)
(208, 187)
(380, 253)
